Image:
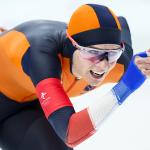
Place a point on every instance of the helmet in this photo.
(94, 24)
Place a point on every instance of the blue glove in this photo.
(131, 80)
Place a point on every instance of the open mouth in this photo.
(96, 75)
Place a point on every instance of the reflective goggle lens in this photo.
(94, 54)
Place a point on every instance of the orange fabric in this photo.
(14, 83)
(83, 14)
(80, 128)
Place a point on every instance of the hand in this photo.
(144, 64)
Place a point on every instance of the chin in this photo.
(95, 83)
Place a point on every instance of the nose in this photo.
(102, 64)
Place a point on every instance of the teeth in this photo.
(96, 74)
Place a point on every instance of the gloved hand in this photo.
(131, 80)
(144, 64)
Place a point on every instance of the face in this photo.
(93, 72)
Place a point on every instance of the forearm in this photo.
(71, 127)
(75, 127)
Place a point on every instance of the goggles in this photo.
(96, 55)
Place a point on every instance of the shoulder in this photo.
(41, 29)
(43, 34)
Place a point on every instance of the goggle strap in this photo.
(71, 39)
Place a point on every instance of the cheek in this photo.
(85, 61)
(81, 65)
(86, 64)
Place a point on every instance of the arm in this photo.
(43, 66)
(74, 127)
(44, 70)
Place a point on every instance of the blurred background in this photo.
(129, 126)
